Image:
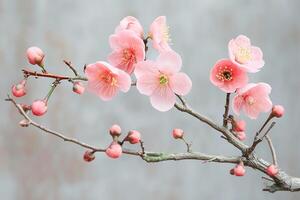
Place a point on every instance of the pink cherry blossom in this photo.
(159, 33)
(130, 23)
(277, 111)
(177, 133)
(78, 87)
(19, 90)
(105, 80)
(253, 99)
(161, 80)
(134, 137)
(246, 56)
(35, 56)
(128, 49)
(228, 76)
(39, 107)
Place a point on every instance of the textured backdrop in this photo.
(36, 166)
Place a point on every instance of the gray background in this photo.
(37, 166)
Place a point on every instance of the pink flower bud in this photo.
(35, 56)
(115, 130)
(239, 125)
(272, 170)
(134, 137)
(177, 133)
(24, 123)
(278, 111)
(241, 135)
(114, 150)
(78, 87)
(39, 107)
(239, 170)
(88, 156)
(231, 171)
(19, 89)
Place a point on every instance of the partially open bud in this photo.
(241, 135)
(177, 133)
(78, 87)
(239, 170)
(24, 123)
(39, 107)
(272, 170)
(239, 125)
(19, 89)
(133, 137)
(115, 130)
(88, 156)
(35, 56)
(277, 111)
(114, 150)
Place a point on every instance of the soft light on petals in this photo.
(253, 99)
(128, 49)
(169, 60)
(163, 99)
(159, 33)
(105, 80)
(130, 23)
(181, 83)
(249, 58)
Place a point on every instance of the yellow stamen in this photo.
(243, 55)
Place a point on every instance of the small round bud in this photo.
(39, 107)
(115, 130)
(177, 133)
(114, 150)
(35, 56)
(24, 123)
(241, 135)
(19, 89)
(78, 87)
(231, 171)
(272, 170)
(239, 125)
(278, 111)
(88, 156)
(134, 137)
(239, 170)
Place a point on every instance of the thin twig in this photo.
(28, 73)
(225, 116)
(272, 149)
(69, 64)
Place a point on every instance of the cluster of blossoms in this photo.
(161, 80)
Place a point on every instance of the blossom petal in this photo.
(124, 81)
(169, 60)
(147, 83)
(180, 83)
(145, 67)
(163, 98)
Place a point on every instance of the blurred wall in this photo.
(38, 166)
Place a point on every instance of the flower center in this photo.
(163, 79)
(224, 74)
(243, 55)
(128, 56)
(250, 100)
(109, 79)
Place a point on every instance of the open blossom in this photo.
(228, 76)
(105, 80)
(161, 80)
(128, 49)
(253, 99)
(130, 23)
(246, 56)
(35, 56)
(159, 33)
